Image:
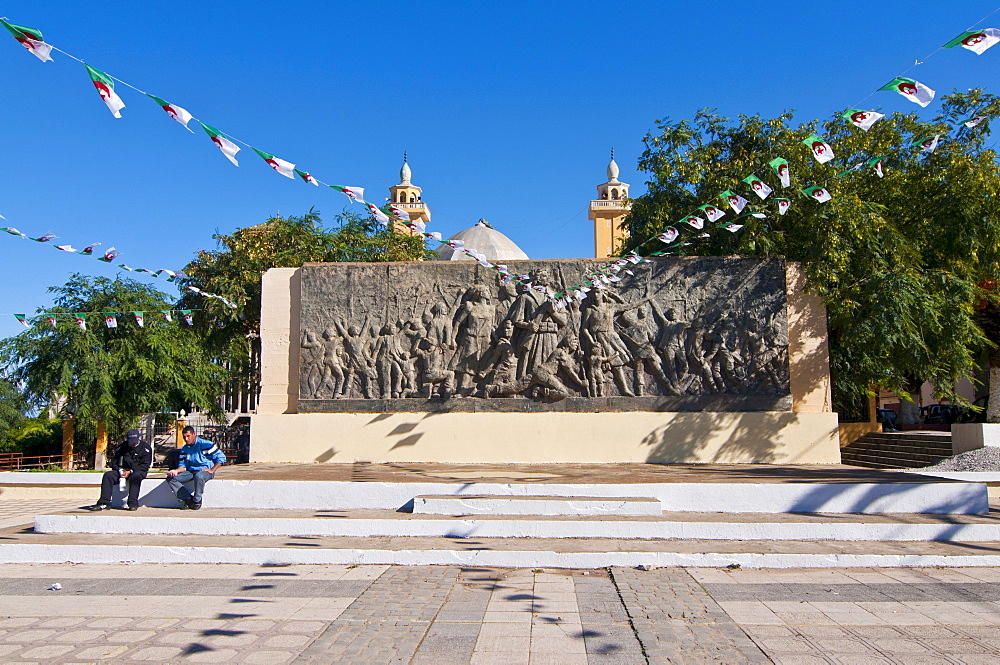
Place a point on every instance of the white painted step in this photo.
(492, 504)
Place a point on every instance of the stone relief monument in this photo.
(678, 334)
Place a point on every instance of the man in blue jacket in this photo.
(199, 460)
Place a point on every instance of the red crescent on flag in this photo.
(758, 185)
(103, 90)
(734, 199)
(907, 88)
(819, 147)
(974, 39)
(860, 116)
(170, 109)
(274, 164)
(819, 193)
(927, 142)
(782, 169)
(25, 43)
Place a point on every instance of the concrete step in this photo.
(386, 523)
(486, 504)
(26, 547)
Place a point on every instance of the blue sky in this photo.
(507, 110)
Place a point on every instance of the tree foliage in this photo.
(12, 409)
(897, 260)
(110, 374)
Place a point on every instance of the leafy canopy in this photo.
(897, 260)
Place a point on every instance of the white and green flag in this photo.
(695, 221)
(140, 319)
(712, 212)
(106, 89)
(976, 41)
(862, 119)
(286, 169)
(30, 39)
(780, 167)
(817, 193)
(89, 249)
(821, 150)
(732, 228)
(188, 317)
(23, 319)
(928, 144)
(758, 186)
(915, 91)
(783, 205)
(735, 201)
(51, 320)
(80, 321)
(353, 193)
(972, 122)
(307, 177)
(669, 235)
(110, 320)
(228, 148)
(166, 315)
(876, 163)
(380, 216)
(174, 111)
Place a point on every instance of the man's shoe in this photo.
(194, 505)
(132, 508)
(185, 505)
(98, 506)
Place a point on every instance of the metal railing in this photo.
(18, 462)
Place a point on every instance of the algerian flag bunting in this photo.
(188, 318)
(353, 193)
(780, 167)
(89, 249)
(110, 255)
(735, 201)
(30, 39)
(669, 235)
(66, 248)
(783, 205)
(758, 186)
(166, 315)
(380, 216)
(821, 150)
(712, 212)
(817, 193)
(51, 320)
(174, 111)
(972, 122)
(45, 237)
(976, 41)
(862, 119)
(399, 213)
(695, 221)
(140, 319)
(702, 236)
(928, 144)
(915, 91)
(228, 148)
(110, 320)
(286, 169)
(307, 177)
(23, 319)
(80, 321)
(876, 163)
(106, 89)
(732, 228)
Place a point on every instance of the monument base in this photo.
(774, 437)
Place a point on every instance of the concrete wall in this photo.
(806, 435)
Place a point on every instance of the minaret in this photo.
(608, 212)
(406, 196)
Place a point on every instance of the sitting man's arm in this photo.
(217, 456)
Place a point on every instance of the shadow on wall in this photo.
(737, 438)
(808, 348)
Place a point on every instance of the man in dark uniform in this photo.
(131, 461)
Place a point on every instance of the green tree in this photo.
(110, 374)
(897, 260)
(234, 271)
(12, 410)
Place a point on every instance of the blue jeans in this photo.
(199, 477)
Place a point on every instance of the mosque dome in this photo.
(484, 238)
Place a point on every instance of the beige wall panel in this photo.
(808, 350)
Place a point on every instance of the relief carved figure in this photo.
(602, 339)
(359, 361)
(474, 324)
(537, 325)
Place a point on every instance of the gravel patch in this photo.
(983, 459)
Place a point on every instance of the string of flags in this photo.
(112, 254)
(977, 41)
(104, 83)
(110, 319)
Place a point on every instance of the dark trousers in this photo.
(110, 479)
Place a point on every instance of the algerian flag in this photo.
(380, 216)
(110, 320)
(188, 318)
(821, 150)
(758, 186)
(694, 221)
(418, 226)
(171, 275)
(110, 255)
(862, 119)
(703, 235)
(818, 193)
(106, 89)
(307, 177)
(435, 235)
(353, 193)
(972, 122)
(23, 319)
(732, 228)
(140, 319)
(735, 201)
(669, 235)
(14, 232)
(30, 39)
(286, 169)
(915, 91)
(45, 238)
(89, 249)
(81, 321)
(856, 167)
(51, 320)
(228, 148)
(713, 213)
(174, 111)
(399, 213)
(125, 266)
(166, 315)
(876, 163)
(783, 205)
(976, 41)
(780, 167)
(66, 248)
(927, 144)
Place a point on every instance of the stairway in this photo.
(902, 450)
